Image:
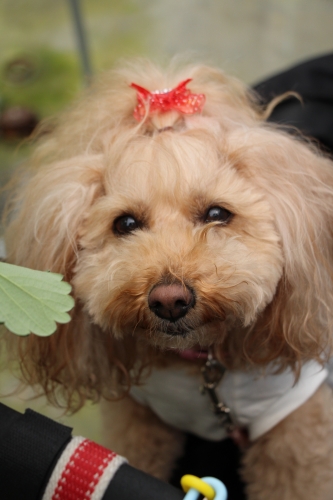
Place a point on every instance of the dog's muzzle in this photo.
(171, 302)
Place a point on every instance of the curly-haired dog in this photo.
(187, 224)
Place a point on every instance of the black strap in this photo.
(30, 445)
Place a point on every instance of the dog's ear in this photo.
(42, 232)
(46, 214)
(297, 181)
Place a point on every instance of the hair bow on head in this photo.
(179, 99)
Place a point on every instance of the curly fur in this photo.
(263, 283)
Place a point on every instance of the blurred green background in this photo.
(41, 70)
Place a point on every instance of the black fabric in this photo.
(131, 484)
(219, 459)
(30, 445)
(313, 81)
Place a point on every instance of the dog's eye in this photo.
(218, 214)
(125, 224)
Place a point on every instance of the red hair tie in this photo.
(179, 99)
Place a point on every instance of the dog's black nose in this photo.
(171, 302)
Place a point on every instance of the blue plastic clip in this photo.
(220, 490)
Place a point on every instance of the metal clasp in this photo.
(212, 373)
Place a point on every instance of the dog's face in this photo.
(176, 230)
(180, 248)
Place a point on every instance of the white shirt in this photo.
(258, 400)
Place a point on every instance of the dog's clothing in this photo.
(258, 400)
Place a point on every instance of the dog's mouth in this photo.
(181, 328)
(186, 331)
(175, 329)
(183, 335)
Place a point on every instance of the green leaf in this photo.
(32, 301)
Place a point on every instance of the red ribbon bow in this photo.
(179, 99)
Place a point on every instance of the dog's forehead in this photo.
(169, 163)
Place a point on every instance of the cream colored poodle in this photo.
(194, 234)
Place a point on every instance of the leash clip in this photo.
(212, 373)
(210, 487)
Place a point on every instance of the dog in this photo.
(198, 241)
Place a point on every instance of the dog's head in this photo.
(178, 229)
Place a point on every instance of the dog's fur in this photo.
(262, 281)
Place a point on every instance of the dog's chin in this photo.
(179, 335)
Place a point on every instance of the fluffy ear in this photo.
(298, 183)
(45, 217)
(47, 212)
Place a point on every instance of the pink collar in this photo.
(193, 354)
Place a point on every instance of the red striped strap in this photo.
(83, 471)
